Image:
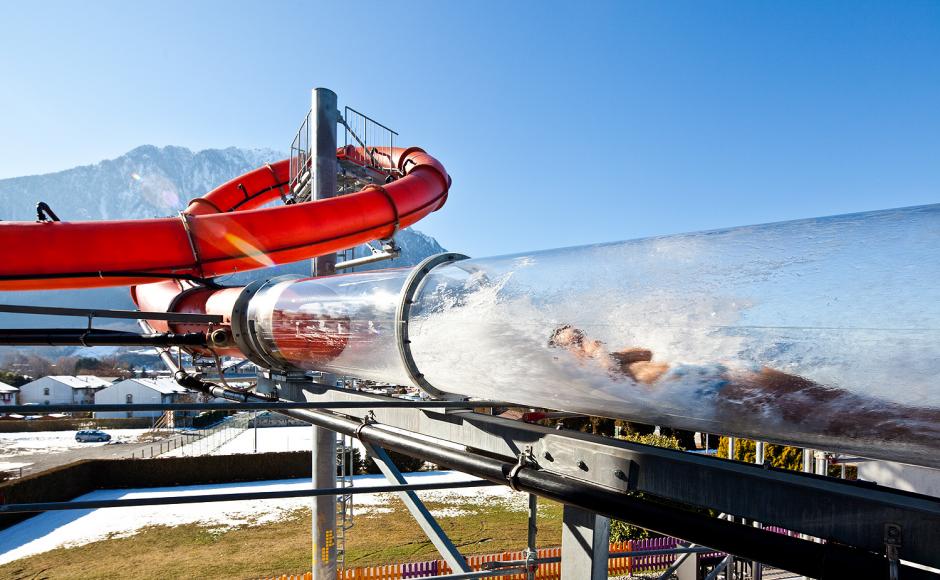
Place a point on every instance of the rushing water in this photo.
(822, 332)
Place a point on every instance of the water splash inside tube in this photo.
(823, 333)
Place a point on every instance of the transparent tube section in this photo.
(341, 324)
(821, 332)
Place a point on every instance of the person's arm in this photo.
(637, 363)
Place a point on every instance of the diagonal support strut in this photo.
(422, 515)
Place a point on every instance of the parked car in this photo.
(92, 436)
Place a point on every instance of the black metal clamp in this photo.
(525, 459)
(892, 550)
(367, 419)
(44, 213)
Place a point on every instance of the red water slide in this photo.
(225, 231)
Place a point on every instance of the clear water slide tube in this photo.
(823, 332)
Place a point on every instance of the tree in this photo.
(780, 456)
(352, 459)
(13, 379)
(405, 463)
(30, 365)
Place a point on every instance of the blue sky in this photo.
(561, 123)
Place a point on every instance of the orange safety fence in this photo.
(549, 571)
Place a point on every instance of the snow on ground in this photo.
(56, 529)
(12, 465)
(270, 439)
(29, 443)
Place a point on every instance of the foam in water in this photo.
(821, 332)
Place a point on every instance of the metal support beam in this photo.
(822, 463)
(685, 567)
(106, 313)
(323, 515)
(585, 544)
(824, 561)
(849, 513)
(248, 406)
(324, 117)
(416, 507)
(531, 553)
(95, 337)
(759, 456)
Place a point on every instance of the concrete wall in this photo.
(901, 476)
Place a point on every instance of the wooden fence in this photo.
(621, 566)
(549, 571)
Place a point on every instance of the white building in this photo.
(62, 390)
(140, 391)
(8, 394)
(901, 476)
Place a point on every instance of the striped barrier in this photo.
(618, 566)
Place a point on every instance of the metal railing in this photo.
(197, 442)
(300, 159)
(375, 139)
(372, 138)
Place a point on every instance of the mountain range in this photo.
(146, 182)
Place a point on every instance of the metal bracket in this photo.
(402, 314)
(892, 549)
(525, 459)
(389, 251)
(367, 419)
(568, 458)
(44, 213)
(243, 331)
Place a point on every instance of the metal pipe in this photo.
(479, 574)
(816, 560)
(628, 554)
(247, 406)
(821, 561)
(718, 569)
(94, 337)
(531, 552)
(675, 565)
(324, 117)
(14, 508)
(99, 313)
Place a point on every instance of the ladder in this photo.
(344, 501)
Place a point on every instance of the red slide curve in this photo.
(225, 231)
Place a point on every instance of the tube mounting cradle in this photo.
(403, 312)
(243, 329)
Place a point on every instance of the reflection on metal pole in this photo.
(323, 158)
(531, 548)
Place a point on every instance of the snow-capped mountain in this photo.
(146, 182)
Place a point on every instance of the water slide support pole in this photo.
(585, 544)
(531, 553)
(757, 569)
(323, 156)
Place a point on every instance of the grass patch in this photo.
(379, 537)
